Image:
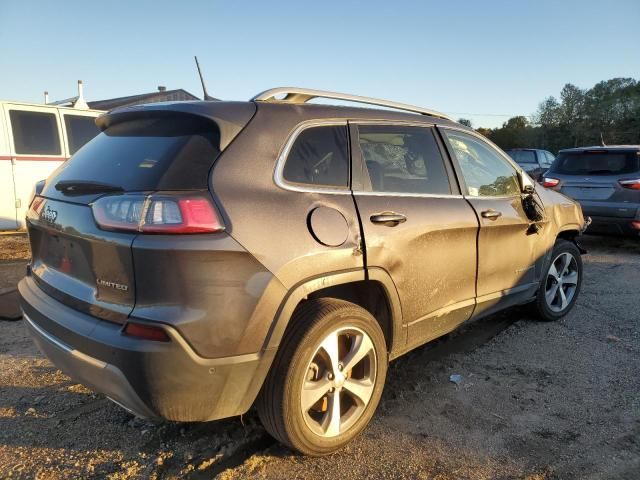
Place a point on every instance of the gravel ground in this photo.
(537, 401)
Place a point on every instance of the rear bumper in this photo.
(89, 371)
(610, 217)
(151, 379)
(613, 225)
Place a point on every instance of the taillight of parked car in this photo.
(631, 184)
(550, 182)
(164, 213)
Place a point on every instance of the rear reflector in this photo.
(157, 213)
(550, 182)
(146, 332)
(632, 184)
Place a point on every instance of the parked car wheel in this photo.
(560, 286)
(327, 379)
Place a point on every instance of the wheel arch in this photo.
(570, 234)
(374, 292)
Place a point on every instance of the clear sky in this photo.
(469, 59)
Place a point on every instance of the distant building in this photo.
(162, 95)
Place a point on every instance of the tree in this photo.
(610, 108)
(465, 121)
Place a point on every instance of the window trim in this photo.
(278, 174)
(458, 169)
(356, 155)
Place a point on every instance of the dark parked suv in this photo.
(606, 182)
(533, 161)
(197, 258)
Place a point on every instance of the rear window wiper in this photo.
(84, 187)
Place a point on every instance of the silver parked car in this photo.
(606, 183)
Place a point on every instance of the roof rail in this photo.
(303, 95)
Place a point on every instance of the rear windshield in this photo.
(597, 163)
(523, 156)
(166, 153)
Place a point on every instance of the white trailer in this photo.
(34, 140)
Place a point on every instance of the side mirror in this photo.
(526, 184)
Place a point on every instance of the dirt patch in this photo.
(536, 401)
(14, 247)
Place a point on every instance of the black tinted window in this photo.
(80, 130)
(403, 159)
(319, 156)
(35, 133)
(523, 156)
(485, 172)
(167, 153)
(597, 162)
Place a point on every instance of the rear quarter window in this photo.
(35, 133)
(319, 157)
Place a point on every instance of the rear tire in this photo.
(561, 282)
(327, 378)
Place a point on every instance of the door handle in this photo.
(388, 219)
(491, 214)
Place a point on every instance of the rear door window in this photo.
(35, 133)
(403, 159)
(80, 129)
(485, 172)
(597, 162)
(319, 157)
(164, 153)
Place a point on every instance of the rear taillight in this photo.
(550, 182)
(157, 213)
(36, 190)
(635, 225)
(631, 184)
(146, 332)
(35, 207)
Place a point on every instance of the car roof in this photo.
(603, 148)
(212, 110)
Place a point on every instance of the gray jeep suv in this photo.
(199, 258)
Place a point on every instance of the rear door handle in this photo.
(491, 214)
(388, 219)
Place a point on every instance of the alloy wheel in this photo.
(340, 381)
(562, 281)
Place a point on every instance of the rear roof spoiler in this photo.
(230, 117)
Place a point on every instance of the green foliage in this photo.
(610, 108)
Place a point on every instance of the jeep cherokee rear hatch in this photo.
(147, 173)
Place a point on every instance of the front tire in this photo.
(327, 378)
(561, 283)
